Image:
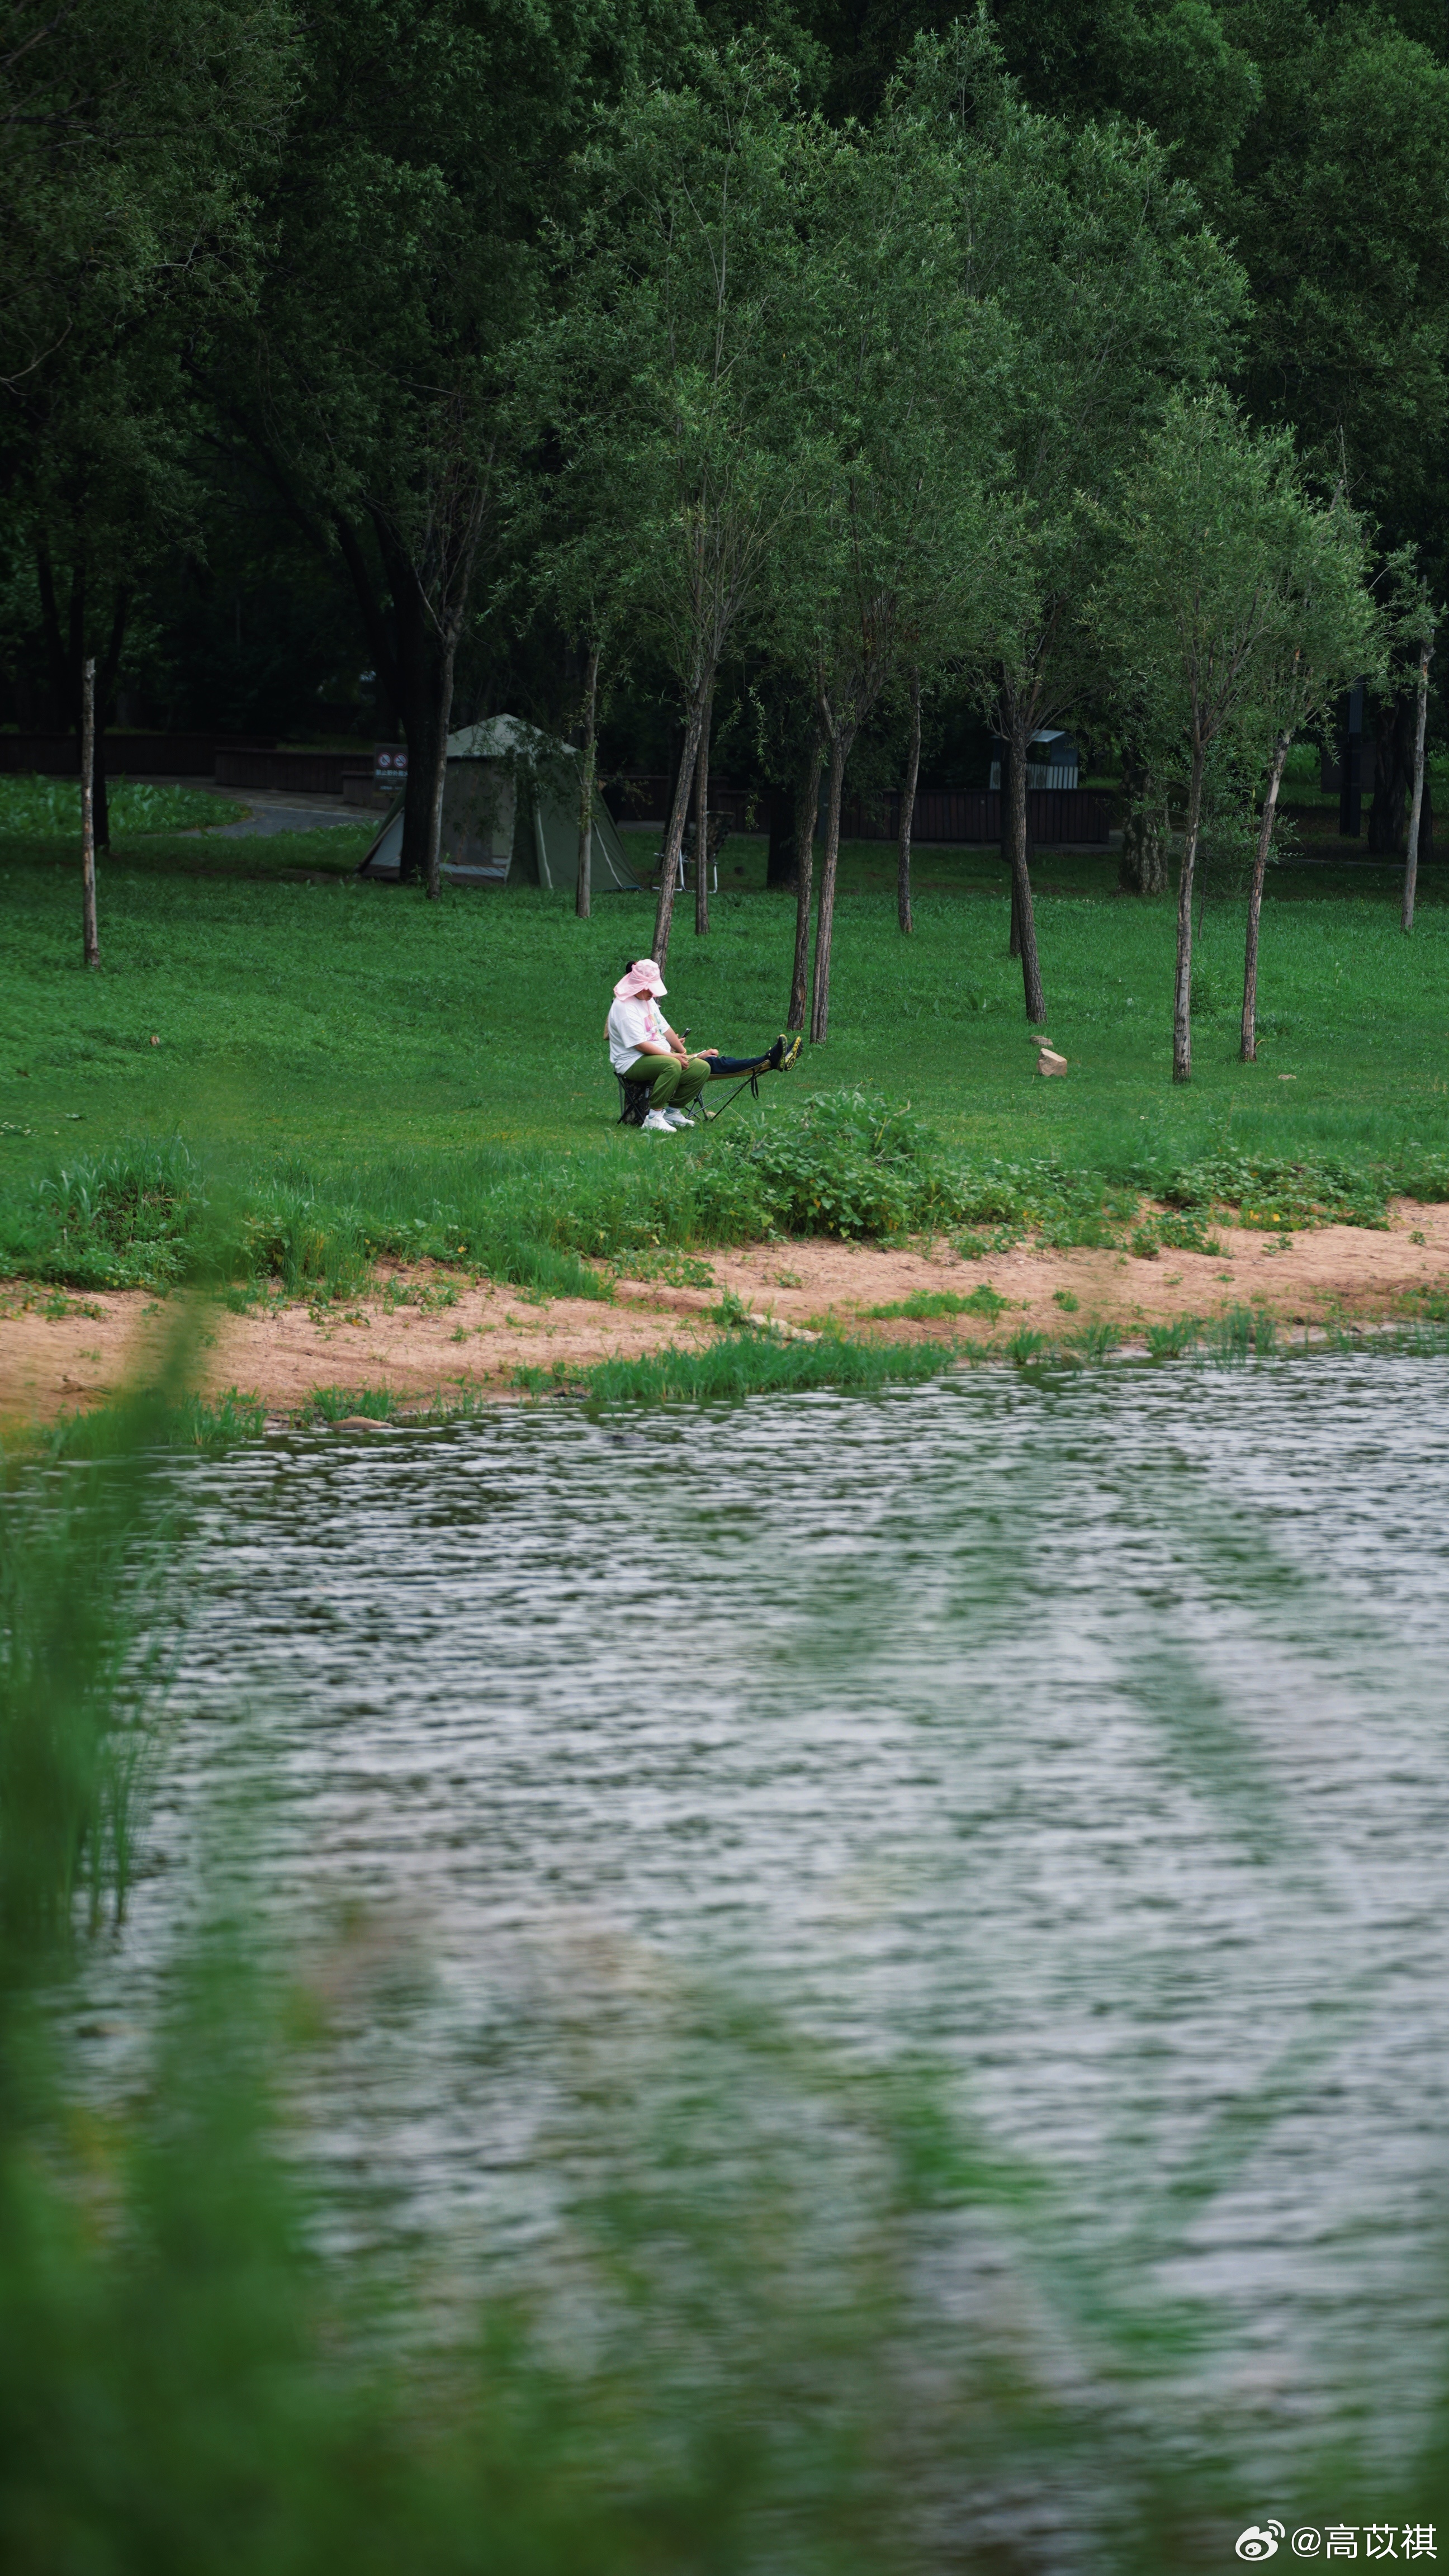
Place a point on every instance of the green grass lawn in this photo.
(359, 1046)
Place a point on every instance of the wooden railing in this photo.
(128, 755)
(948, 815)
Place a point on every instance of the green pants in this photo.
(674, 1080)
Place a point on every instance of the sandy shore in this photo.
(427, 1333)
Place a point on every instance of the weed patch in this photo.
(1169, 1341)
(1242, 1330)
(926, 1305)
(742, 1364)
(195, 1422)
(1171, 1233)
(336, 1403)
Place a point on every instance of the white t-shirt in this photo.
(629, 1024)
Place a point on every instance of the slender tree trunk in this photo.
(65, 703)
(423, 731)
(825, 916)
(1393, 739)
(674, 837)
(66, 654)
(1248, 1051)
(701, 823)
(807, 809)
(89, 941)
(908, 809)
(1411, 854)
(427, 645)
(1142, 868)
(105, 690)
(100, 793)
(1025, 918)
(374, 618)
(780, 858)
(1013, 942)
(1182, 994)
(583, 890)
(438, 778)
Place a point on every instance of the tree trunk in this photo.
(65, 656)
(807, 808)
(1024, 919)
(1013, 940)
(701, 823)
(1248, 1050)
(1182, 995)
(908, 809)
(90, 943)
(674, 837)
(583, 890)
(1411, 856)
(825, 917)
(1143, 865)
(65, 701)
(780, 862)
(437, 778)
(374, 619)
(427, 644)
(105, 691)
(1394, 720)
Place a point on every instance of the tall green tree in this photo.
(1331, 633)
(1219, 553)
(903, 372)
(672, 358)
(430, 143)
(1118, 293)
(133, 135)
(132, 131)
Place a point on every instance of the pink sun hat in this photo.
(643, 977)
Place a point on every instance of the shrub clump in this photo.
(120, 1220)
(852, 1165)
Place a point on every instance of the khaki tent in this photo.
(511, 815)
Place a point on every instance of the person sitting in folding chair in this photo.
(653, 1062)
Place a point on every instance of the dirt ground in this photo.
(426, 1333)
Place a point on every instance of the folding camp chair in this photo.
(633, 1102)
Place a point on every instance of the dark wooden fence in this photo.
(641, 798)
(959, 814)
(127, 755)
(950, 815)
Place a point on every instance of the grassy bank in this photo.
(291, 1077)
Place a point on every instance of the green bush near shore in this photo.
(840, 1164)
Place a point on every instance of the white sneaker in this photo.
(655, 1123)
(679, 1117)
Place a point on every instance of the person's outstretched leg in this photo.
(775, 1059)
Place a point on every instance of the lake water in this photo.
(1084, 1737)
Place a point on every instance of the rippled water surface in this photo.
(1085, 1737)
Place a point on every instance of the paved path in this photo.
(267, 809)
